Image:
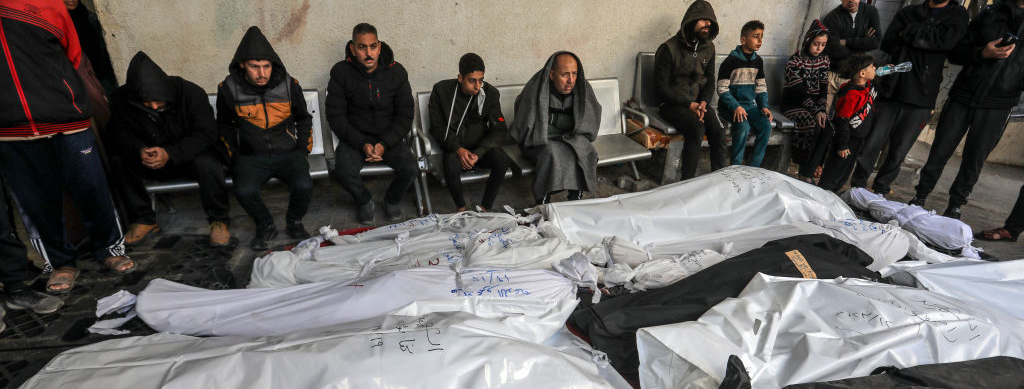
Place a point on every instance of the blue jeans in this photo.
(741, 130)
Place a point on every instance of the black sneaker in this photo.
(952, 211)
(263, 234)
(917, 200)
(40, 303)
(393, 212)
(365, 213)
(296, 230)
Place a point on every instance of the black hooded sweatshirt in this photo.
(369, 108)
(922, 37)
(684, 65)
(987, 82)
(259, 120)
(185, 127)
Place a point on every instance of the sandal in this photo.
(62, 276)
(118, 263)
(996, 235)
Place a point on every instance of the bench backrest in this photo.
(606, 89)
(312, 98)
(643, 78)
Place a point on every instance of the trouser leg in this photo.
(950, 130)
(762, 129)
(209, 172)
(987, 126)
(819, 150)
(838, 169)
(86, 183)
(692, 130)
(403, 162)
(347, 163)
(453, 178)
(1015, 221)
(129, 181)
(293, 169)
(740, 133)
(719, 152)
(13, 257)
(499, 162)
(885, 122)
(906, 130)
(251, 172)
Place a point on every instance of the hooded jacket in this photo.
(41, 93)
(855, 109)
(185, 127)
(255, 120)
(918, 36)
(482, 125)
(684, 66)
(854, 31)
(369, 108)
(805, 90)
(988, 82)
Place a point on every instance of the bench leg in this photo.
(419, 197)
(636, 173)
(152, 201)
(426, 192)
(786, 154)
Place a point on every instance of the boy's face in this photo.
(868, 73)
(752, 40)
(818, 45)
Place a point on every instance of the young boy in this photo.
(854, 111)
(742, 91)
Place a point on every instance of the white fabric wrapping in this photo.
(791, 330)
(998, 285)
(936, 230)
(660, 273)
(171, 307)
(728, 199)
(450, 350)
(455, 222)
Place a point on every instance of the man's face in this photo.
(71, 4)
(366, 49)
(155, 105)
(752, 41)
(818, 45)
(851, 5)
(257, 72)
(563, 74)
(471, 83)
(703, 28)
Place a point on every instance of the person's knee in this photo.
(499, 158)
(302, 185)
(247, 191)
(207, 165)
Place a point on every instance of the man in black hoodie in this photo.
(267, 132)
(921, 34)
(162, 128)
(370, 109)
(979, 104)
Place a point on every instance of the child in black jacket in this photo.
(852, 115)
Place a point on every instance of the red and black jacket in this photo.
(40, 91)
(855, 107)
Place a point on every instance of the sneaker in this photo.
(365, 213)
(917, 200)
(393, 212)
(263, 234)
(952, 211)
(29, 299)
(138, 231)
(219, 234)
(296, 230)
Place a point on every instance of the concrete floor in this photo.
(989, 204)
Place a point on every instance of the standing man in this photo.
(465, 116)
(921, 34)
(684, 68)
(370, 109)
(855, 29)
(14, 267)
(46, 145)
(557, 118)
(267, 131)
(979, 103)
(162, 128)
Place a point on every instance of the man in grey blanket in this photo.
(557, 118)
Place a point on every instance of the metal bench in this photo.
(774, 68)
(612, 144)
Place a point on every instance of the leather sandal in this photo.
(62, 276)
(996, 235)
(117, 264)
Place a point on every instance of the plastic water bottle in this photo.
(890, 69)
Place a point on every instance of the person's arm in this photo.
(707, 92)
(725, 97)
(497, 131)
(761, 86)
(439, 121)
(894, 38)
(302, 118)
(336, 109)
(821, 105)
(937, 36)
(663, 65)
(69, 39)
(868, 43)
(845, 107)
(967, 51)
(226, 117)
(119, 129)
(401, 120)
(202, 128)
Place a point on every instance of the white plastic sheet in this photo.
(936, 230)
(728, 199)
(789, 330)
(450, 350)
(660, 273)
(544, 295)
(998, 285)
(455, 222)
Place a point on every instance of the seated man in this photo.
(557, 118)
(162, 128)
(371, 124)
(267, 130)
(465, 116)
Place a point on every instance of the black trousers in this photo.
(983, 128)
(821, 146)
(1015, 222)
(205, 169)
(251, 172)
(348, 162)
(13, 257)
(897, 124)
(495, 159)
(693, 131)
(39, 171)
(838, 169)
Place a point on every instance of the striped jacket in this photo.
(741, 82)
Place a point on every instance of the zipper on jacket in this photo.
(72, 96)
(17, 82)
(266, 119)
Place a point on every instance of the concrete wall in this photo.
(196, 38)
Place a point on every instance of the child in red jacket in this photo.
(855, 103)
